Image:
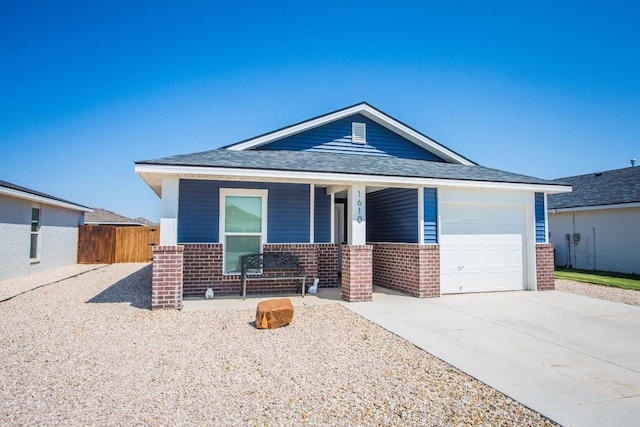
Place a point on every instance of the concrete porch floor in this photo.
(235, 302)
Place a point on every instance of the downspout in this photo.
(575, 249)
(594, 248)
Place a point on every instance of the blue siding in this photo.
(392, 216)
(335, 137)
(199, 204)
(430, 215)
(288, 213)
(198, 208)
(540, 225)
(322, 216)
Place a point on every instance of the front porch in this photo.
(184, 272)
(344, 225)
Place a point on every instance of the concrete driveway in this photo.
(574, 359)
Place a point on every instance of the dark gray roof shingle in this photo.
(597, 189)
(281, 160)
(26, 190)
(103, 216)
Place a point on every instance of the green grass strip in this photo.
(616, 280)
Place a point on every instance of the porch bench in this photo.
(286, 263)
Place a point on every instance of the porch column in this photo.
(169, 211)
(357, 273)
(357, 265)
(166, 283)
(357, 215)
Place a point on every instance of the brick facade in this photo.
(357, 275)
(408, 268)
(166, 285)
(545, 267)
(203, 269)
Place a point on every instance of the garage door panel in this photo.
(469, 256)
(482, 248)
(469, 281)
(504, 281)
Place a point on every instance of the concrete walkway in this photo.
(572, 358)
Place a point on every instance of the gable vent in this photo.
(359, 133)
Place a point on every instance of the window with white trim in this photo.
(35, 234)
(359, 133)
(243, 224)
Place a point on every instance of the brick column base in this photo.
(357, 273)
(166, 285)
(545, 267)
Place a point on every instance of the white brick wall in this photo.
(58, 237)
(614, 245)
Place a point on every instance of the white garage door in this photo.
(481, 247)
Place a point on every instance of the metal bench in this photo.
(254, 266)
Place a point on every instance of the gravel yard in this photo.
(88, 351)
(624, 296)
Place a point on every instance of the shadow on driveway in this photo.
(134, 289)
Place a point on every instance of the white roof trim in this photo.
(152, 174)
(41, 199)
(596, 208)
(367, 111)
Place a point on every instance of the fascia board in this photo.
(330, 178)
(43, 200)
(595, 208)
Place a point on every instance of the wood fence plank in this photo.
(110, 244)
(96, 244)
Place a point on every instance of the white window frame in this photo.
(240, 192)
(36, 233)
(356, 138)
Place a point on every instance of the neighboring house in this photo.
(145, 221)
(104, 217)
(362, 198)
(37, 231)
(597, 226)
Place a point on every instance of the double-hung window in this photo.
(243, 224)
(35, 234)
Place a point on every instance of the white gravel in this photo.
(624, 296)
(88, 351)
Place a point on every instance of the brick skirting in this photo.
(409, 268)
(545, 267)
(203, 269)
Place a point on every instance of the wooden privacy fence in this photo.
(108, 244)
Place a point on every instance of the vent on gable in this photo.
(359, 133)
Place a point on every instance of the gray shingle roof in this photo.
(280, 160)
(103, 216)
(596, 189)
(26, 190)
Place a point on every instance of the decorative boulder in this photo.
(274, 313)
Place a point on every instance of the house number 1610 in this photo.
(359, 203)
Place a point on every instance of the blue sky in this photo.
(548, 89)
